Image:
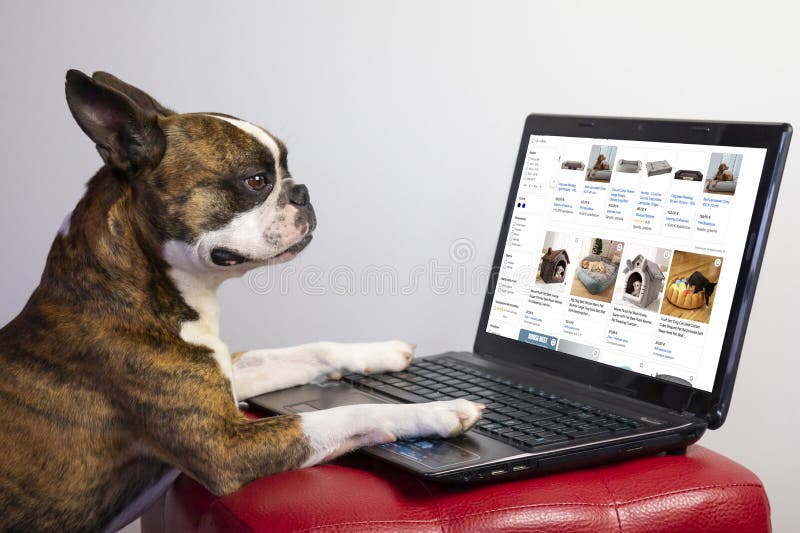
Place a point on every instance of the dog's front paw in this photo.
(445, 419)
(374, 357)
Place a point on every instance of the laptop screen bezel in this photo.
(712, 406)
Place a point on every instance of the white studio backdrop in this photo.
(403, 118)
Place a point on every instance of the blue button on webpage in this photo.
(538, 339)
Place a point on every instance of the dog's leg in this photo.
(260, 371)
(192, 424)
(333, 432)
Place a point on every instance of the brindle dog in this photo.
(114, 371)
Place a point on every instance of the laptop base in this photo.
(477, 457)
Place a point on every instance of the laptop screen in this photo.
(627, 252)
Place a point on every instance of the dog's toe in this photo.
(457, 416)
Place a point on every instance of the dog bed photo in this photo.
(599, 175)
(596, 281)
(573, 165)
(654, 168)
(629, 167)
(723, 181)
(689, 175)
(679, 294)
(721, 186)
(603, 157)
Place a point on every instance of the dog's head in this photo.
(215, 189)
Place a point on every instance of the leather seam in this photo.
(447, 519)
(579, 504)
(701, 488)
(529, 506)
(613, 502)
(363, 522)
(433, 500)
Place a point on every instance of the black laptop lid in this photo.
(629, 253)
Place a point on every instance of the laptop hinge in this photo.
(679, 405)
(527, 365)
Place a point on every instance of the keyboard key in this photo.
(400, 394)
(544, 415)
(496, 417)
(533, 440)
(591, 433)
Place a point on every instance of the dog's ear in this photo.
(144, 100)
(127, 135)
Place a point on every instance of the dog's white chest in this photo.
(205, 330)
(205, 334)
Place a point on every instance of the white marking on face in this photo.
(261, 234)
(258, 234)
(261, 136)
(64, 229)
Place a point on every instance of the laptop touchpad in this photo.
(333, 400)
(433, 453)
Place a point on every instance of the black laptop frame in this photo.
(713, 406)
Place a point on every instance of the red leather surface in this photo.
(701, 491)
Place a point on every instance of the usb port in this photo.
(498, 472)
(518, 468)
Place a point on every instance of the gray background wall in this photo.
(403, 118)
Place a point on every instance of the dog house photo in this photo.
(554, 266)
(643, 281)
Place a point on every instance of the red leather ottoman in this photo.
(700, 491)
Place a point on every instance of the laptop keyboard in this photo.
(524, 416)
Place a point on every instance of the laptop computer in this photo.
(614, 319)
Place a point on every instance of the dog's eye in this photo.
(257, 182)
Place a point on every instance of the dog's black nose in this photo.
(299, 195)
